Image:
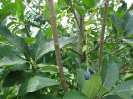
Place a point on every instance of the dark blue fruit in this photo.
(87, 75)
(43, 21)
(38, 18)
(91, 70)
(68, 34)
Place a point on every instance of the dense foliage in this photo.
(28, 60)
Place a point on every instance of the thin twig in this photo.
(126, 72)
(93, 49)
(102, 32)
(74, 50)
(30, 7)
(76, 17)
(120, 49)
(56, 45)
(17, 27)
(105, 41)
(123, 69)
(127, 11)
(39, 6)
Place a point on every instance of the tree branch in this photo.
(127, 10)
(39, 6)
(76, 17)
(30, 7)
(17, 27)
(93, 49)
(56, 45)
(120, 49)
(74, 50)
(121, 69)
(102, 32)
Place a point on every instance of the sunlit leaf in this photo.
(17, 41)
(6, 10)
(11, 60)
(91, 87)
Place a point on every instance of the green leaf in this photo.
(46, 96)
(10, 24)
(21, 67)
(129, 78)
(29, 40)
(12, 60)
(64, 7)
(80, 78)
(109, 73)
(84, 48)
(3, 23)
(6, 10)
(128, 40)
(119, 29)
(37, 95)
(92, 86)
(49, 33)
(2, 97)
(20, 10)
(112, 97)
(116, 19)
(128, 23)
(40, 40)
(123, 7)
(67, 1)
(48, 68)
(62, 3)
(49, 46)
(126, 87)
(28, 1)
(73, 56)
(80, 9)
(89, 3)
(125, 95)
(103, 91)
(5, 51)
(17, 41)
(117, 23)
(35, 83)
(27, 29)
(74, 94)
(16, 77)
(3, 39)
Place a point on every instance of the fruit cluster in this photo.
(87, 74)
(37, 19)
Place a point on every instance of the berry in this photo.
(38, 18)
(91, 70)
(87, 75)
(43, 21)
(68, 34)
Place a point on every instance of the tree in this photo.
(89, 58)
